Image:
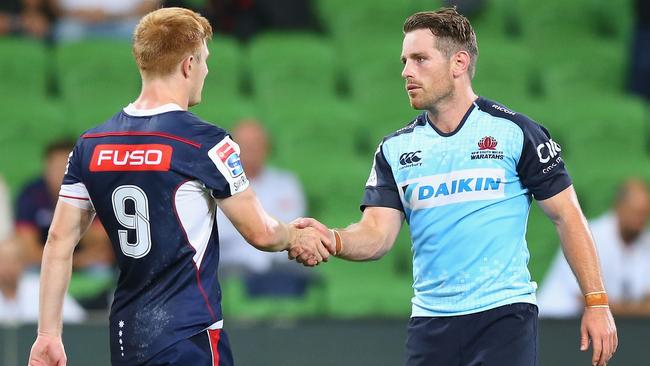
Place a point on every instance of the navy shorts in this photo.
(506, 335)
(208, 348)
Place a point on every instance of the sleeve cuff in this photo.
(375, 197)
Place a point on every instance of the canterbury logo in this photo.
(410, 158)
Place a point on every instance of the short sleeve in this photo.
(381, 190)
(540, 167)
(220, 167)
(73, 190)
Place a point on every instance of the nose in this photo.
(407, 71)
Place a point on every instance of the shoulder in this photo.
(498, 110)
(206, 133)
(410, 127)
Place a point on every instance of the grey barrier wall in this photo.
(327, 342)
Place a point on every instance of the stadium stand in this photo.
(328, 100)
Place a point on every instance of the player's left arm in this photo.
(579, 249)
(68, 225)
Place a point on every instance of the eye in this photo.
(420, 59)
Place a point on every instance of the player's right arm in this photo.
(266, 233)
(68, 225)
(370, 238)
(374, 235)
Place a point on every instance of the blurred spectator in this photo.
(245, 18)
(623, 244)
(24, 17)
(639, 77)
(281, 194)
(19, 290)
(6, 218)
(35, 207)
(79, 19)
(93, 258)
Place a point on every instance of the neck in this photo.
(448, 112)
(161, 91)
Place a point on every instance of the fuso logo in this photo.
(548, 150)
(115, 158)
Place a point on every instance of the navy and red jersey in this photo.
(152, 176)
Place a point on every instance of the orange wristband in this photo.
(596, 299)
(339, 242)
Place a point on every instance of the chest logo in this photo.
(487, 149)
(410, 159)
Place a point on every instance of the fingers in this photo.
(302, 223)
(597, 344)
(584, 339)
(323, 251)
(615, 340)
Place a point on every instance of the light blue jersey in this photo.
(466, 197)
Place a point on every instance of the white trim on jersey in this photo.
(77, 195)
(217, 325)
(196, 210)
(131, 110)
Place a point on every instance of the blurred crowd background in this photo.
(309, 88)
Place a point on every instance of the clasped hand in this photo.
(311, 242)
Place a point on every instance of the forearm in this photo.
(580, 252)
(55, 275)
(362, 243)
(274, 236)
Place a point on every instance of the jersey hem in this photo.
(421, 312)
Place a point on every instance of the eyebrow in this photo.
(413, 55)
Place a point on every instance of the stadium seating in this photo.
(23, 68)
(97, 78)
(328, 100)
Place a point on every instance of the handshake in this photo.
(311, 242)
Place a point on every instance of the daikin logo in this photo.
(455, 187)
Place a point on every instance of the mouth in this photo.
(411, 87)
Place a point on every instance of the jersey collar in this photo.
(460, 125)
(135, 112)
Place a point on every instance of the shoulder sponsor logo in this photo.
(410, 159)
(455, 187)
(548, 150)
(230, 157)
(225, 156)
(503, 109)
(120, 157)
(487, 149)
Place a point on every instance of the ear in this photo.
(186, 66)
(460, 63)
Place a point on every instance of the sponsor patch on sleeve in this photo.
(225, 155)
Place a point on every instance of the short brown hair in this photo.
(453, 30)
(167, 35)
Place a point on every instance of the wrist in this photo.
(596, 299)
(338, 242)
(292, 232)
(49, 333)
